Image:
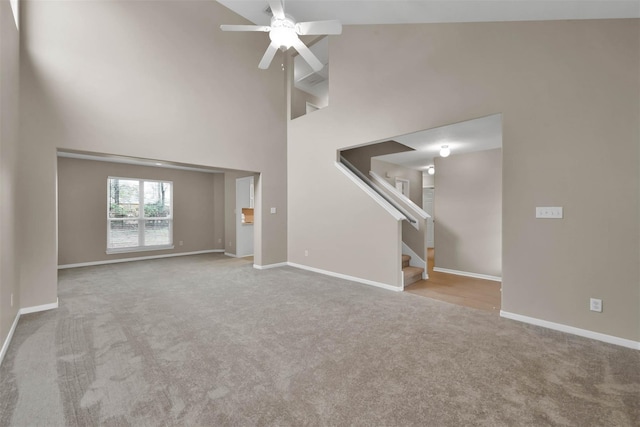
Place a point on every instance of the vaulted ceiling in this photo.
(354, 12)
(473, 135)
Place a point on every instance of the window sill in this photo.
(139, 249)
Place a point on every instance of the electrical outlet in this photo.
(553, 212)
(273, 210)
(219, 240)
(180, 243)
(306, 252)
(595, 305)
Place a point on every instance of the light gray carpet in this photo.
(208, 340)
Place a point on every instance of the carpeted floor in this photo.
(207, 340)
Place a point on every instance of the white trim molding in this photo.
(141, 258)
(572, 330)
(375, 196)
(467, 274)
(139, 249)
(346, 277)
(26, 310)
(37, 308)
(393, 190)
(269, 266)
(7, 341)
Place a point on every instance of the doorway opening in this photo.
(101, 221)
(462, 193)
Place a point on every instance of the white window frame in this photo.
(141, 218)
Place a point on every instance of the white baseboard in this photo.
(38, 308)
(467, 274)
(236, 255)
(268, 266)
(142, 258)
(7, 341)
(346, 277)
(572, 330)
(20, 312)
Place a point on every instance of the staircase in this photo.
(411, 274)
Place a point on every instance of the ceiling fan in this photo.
(284, 32)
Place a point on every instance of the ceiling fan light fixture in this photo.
(445, 151)
(283, 33)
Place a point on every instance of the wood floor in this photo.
(466, 291)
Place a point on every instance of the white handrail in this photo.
(374, 195)
(417, 209)
(372, 186)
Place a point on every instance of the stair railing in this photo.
(414, 238)
(407, 216)
(378, 180)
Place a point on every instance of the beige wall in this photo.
(390, 172)
(468, 212)
(9, 215)
(155, 80)
(82, 204)
(568, 92)
(330, 218)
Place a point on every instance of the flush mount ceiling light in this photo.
(431, 170)
(445, 151)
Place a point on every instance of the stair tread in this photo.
(405, 257)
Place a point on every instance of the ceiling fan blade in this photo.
(245, 28)
(277, 8)
(319, 27)
(308, 56)
(268, 57)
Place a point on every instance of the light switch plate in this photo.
(273, 210)
(554, 212)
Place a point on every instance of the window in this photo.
(139, 215)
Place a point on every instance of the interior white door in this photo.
(428, 196)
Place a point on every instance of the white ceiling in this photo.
(353, 12)
(480, 134)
